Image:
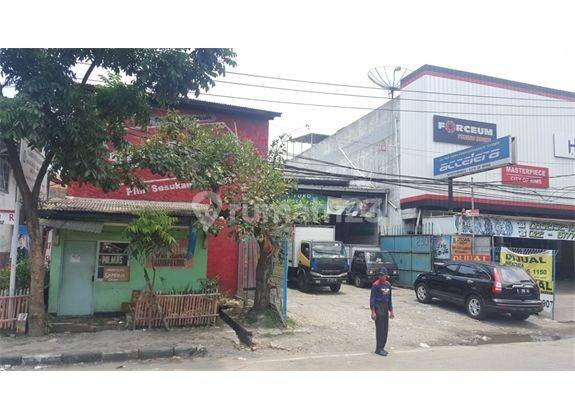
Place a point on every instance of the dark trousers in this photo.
(381, 324)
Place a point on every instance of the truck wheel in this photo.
(357, 281)
(335, 287)
(302, 282)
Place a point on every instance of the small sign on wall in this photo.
(116, 274)
(75, 259)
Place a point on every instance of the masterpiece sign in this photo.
(458, 131)
(525, 176)
(475, 159)
(540, 268)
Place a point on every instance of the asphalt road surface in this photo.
(550, 355)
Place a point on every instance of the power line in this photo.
(385, 109)
(401, 90)
(386, 98)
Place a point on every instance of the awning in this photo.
(91, 227)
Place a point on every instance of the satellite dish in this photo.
(388, 77)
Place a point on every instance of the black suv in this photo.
(483, 287)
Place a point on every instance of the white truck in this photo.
(316, 259)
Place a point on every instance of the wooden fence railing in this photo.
(12, 306)
(178, 310)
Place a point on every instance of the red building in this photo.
(247, 124)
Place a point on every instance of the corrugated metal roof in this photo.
(222, 107)
(121, 207)
(428, 69)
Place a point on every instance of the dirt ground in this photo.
(320, 322)
(341, 322)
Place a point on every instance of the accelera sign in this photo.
(525, 176)
(474, 159)
(458, 131)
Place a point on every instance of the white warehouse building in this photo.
(439, 111)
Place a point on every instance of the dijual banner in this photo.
(540, 268)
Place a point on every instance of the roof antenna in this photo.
(388, 77)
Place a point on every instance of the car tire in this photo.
(357, 281)
(475, 307)
(422, 293)
(335, 287)
(519, 317)
(302, 283)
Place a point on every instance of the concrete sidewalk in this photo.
(117, 345)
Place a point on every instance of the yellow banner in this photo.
(539, 266)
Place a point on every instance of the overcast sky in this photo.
(329, 41)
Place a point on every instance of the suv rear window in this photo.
(513, 274)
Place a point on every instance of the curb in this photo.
(97, 357)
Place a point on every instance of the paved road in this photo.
(551, 355)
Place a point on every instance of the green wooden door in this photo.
(77, 288)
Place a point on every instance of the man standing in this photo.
(381, 309)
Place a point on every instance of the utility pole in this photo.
(472, 220)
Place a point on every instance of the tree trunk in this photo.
(263, 274)
(37, 272)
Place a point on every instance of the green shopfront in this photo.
(92, 272)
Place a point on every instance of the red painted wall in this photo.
(222, 250)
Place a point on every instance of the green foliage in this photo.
(207, 285)
(71, 122)
(150, 236)
(22, 275)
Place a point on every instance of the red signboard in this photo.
(469, 257)
(525, 176)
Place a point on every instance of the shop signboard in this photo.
(6, 217)
(319, 200)
(525, 176)
(511, 228)
(564, 146)
(475, 159)
(458, 131)
(540, 268)
(356, 207)
(461, 245)
(471, 257)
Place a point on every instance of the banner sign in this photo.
(471, 257)
(458, 131)
(356, 207)
(564, 146)
(489, 226)
(525, 176)
(540, 268)
(474, 159)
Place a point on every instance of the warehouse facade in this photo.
(530, 204)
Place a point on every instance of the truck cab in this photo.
(320, 264)
(365, 265)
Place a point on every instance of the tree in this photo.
(252, 190)
(150, 237)
(74, 124)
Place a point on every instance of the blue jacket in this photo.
(381, 292)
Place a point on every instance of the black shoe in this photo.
(381, 352)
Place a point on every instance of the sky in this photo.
(329, 41)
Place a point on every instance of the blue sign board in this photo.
(474, 159)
